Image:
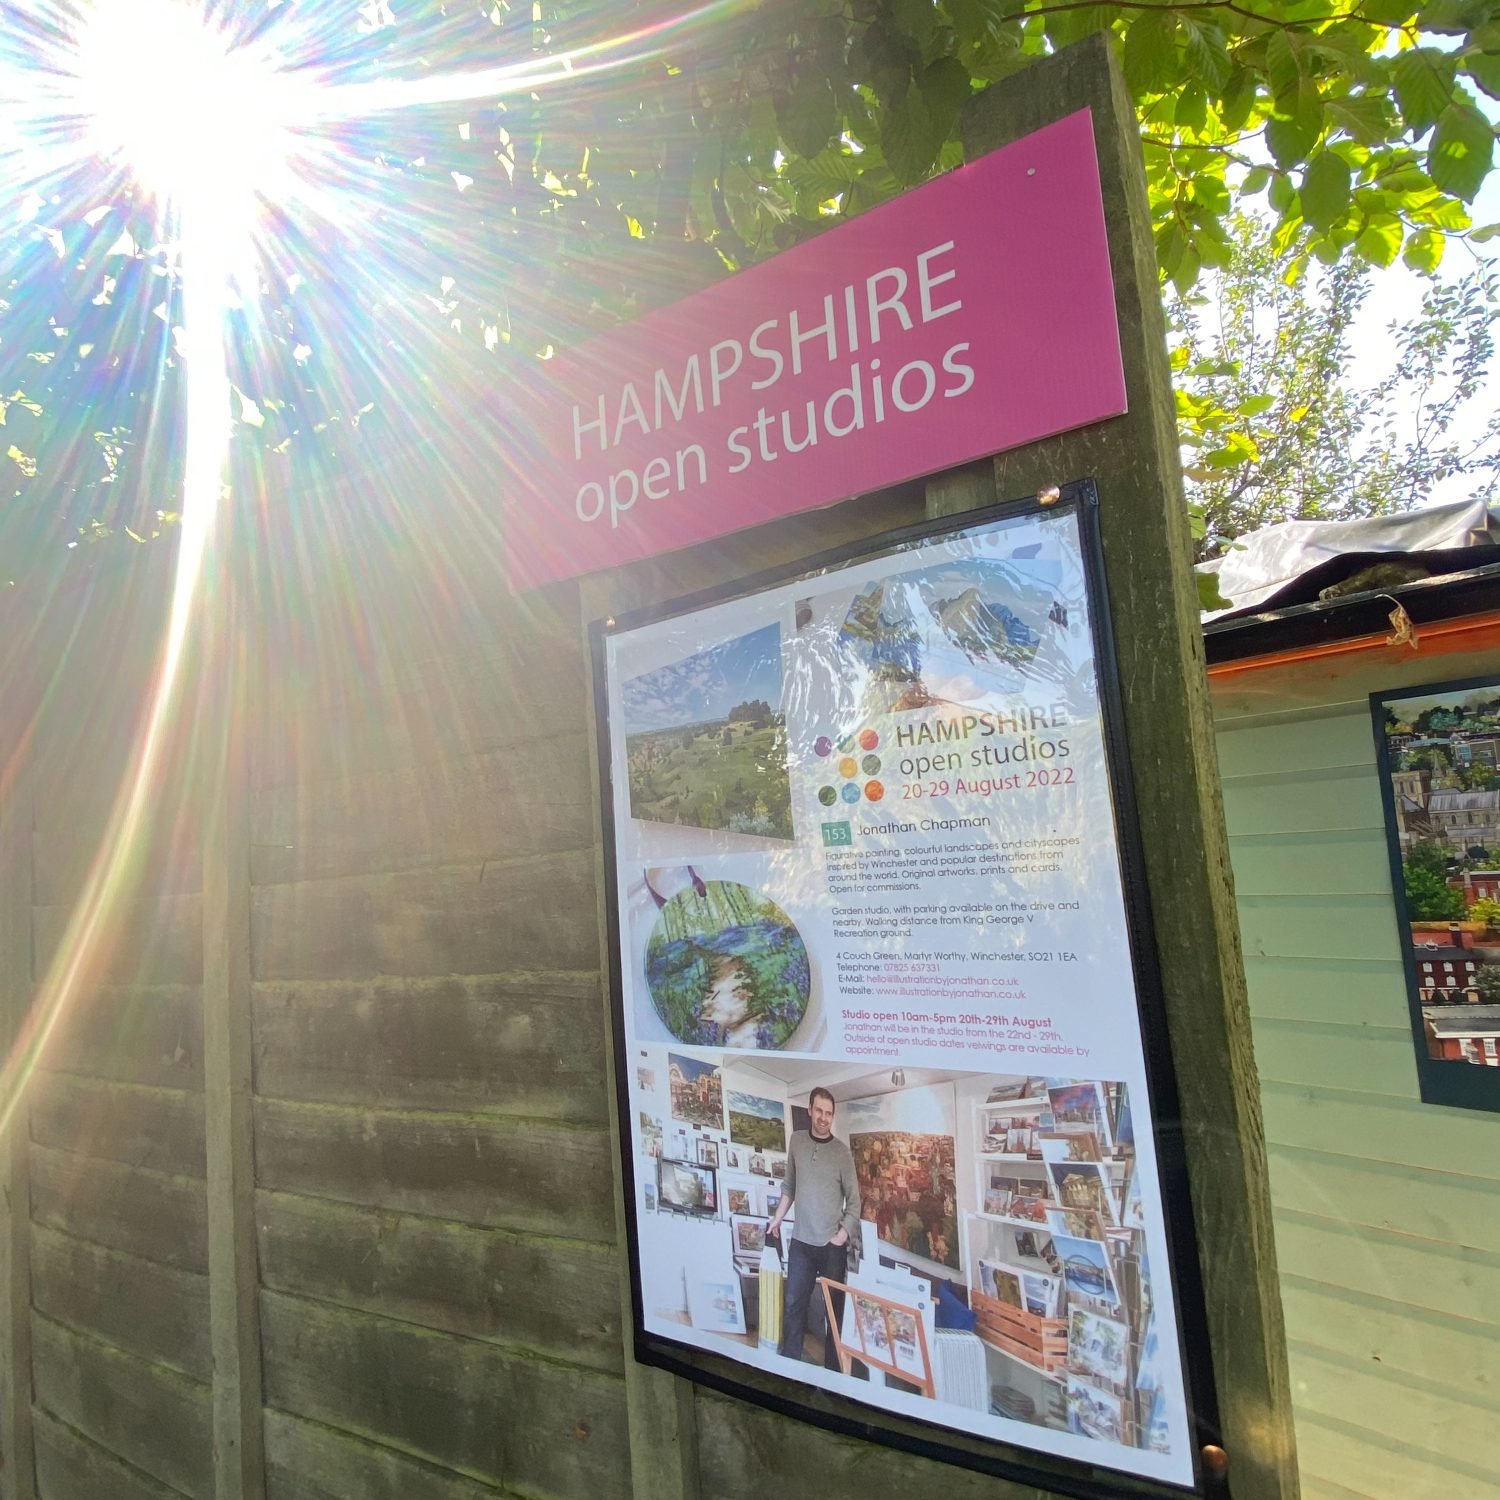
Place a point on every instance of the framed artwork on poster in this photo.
(1438, 752)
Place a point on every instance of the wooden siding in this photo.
(1385, 1207)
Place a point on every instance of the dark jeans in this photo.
(805, 1263)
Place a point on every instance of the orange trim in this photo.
(1452, 633)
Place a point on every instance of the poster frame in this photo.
(846, 1416)
(1459, 1085)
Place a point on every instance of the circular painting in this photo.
(726, 968)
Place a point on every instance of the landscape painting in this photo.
(756, 1122)
(705, 739)
(726, 967)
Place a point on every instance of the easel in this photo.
(848, 1353)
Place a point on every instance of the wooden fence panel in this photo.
(537, 1427)
(154, 1419)
(503, 1174)
(486, 918)
(161, 1129)
(522, 1044)
(154, 1215)
(70, 1467)
(148, 1034)
(147, 1309)
(552, 1296)
(527, 799)
(307, 1461)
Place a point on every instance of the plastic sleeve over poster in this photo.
(887, 1106)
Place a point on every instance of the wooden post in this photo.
(1153, 612)
(17, 1451)
(233, 1268)
(660, 1406)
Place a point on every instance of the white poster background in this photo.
(969, 916)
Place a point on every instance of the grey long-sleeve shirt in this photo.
(821, 1184)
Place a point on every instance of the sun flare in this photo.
(171, 100)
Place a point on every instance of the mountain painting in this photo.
(921, 634)
(705, 740)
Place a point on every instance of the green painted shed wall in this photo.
(1387, 1210)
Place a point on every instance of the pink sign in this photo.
(971, 315)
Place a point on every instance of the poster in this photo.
(866, 862)
(1439, 753)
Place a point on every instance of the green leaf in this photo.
(1388, 12)
(946, 85)
(1151, 52)
(1461, 151)
(1192, 108)
(1254, 181)
(1282, 195)
(1325, 189)
(1253, 406)
(1379, 243)
(914, 18)
(1238, 100)
(910, 136)
(1484, 69)
(1423, 81)
(824, 176)
(1185, 273)
(1449, 17)
(1209, 596)
(1424, 250)
(1171, 243)
(1291, 140)
(1207, 57)
(1367, 118)
(1283, 69)
(807, 117)
(974, 20)
(1489, 232)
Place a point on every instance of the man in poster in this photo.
(821, 1184)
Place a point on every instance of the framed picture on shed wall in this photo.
(1438, 749)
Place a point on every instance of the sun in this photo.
(172, 100)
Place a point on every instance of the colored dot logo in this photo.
(857, 759)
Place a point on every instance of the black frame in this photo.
(662, 1206)
(840, 1414)
(1462, 1085)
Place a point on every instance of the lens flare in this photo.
(249, 153)
(175, 102)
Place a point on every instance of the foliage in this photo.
(1277, 422)
(1429, 857)
(1487, 982)
(1485, 910)
(1431, 899)
(482, 235)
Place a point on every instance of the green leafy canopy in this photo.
(498, 230)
